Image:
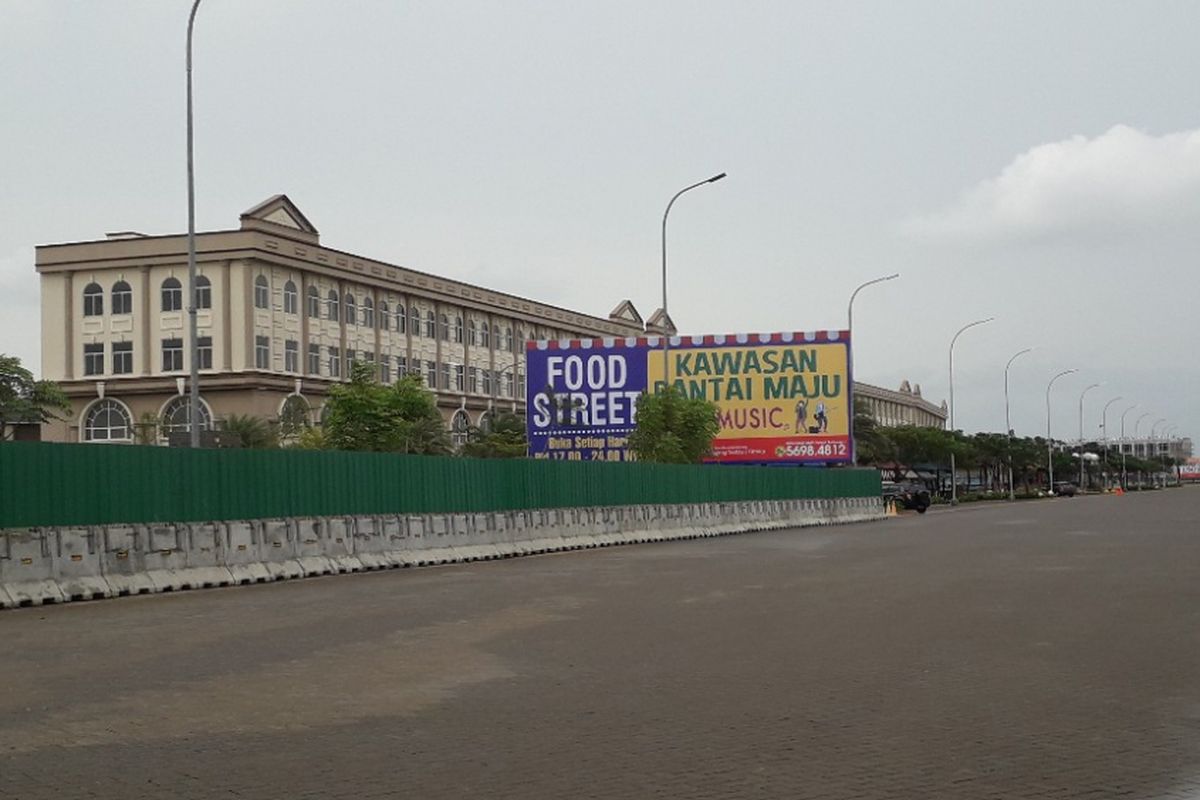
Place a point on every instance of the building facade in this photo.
(281, 318)
(1176, 447)
(903, 406)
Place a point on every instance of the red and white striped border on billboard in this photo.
(707, 340)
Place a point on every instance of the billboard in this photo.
(783, 397)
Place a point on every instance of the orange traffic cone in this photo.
(890, 508)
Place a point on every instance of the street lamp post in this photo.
(850, 352)
(953, 465)
(667, 316)
(1012, 492)
(1154, 440)
(1082, 474)
(194, 404)
(1168, 432)
(1049, 440)
(496, 384)
(1104, 427)
(1124, 474)
(1138, 423)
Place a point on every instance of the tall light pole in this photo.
(496, 384)
(667, 316)
(1012, 492)
(1082, 474)
(1104, 427)
(194, 404)
(1137, 423)
(1124, 475)
(850, 352)
(953, 465)
(1050, 441)
(1168, 432)
(1154, 440)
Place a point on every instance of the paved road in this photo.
(1047, 650)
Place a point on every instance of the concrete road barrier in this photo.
(55, 565)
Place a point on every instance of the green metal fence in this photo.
(43, 484)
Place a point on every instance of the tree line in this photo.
(984, 457)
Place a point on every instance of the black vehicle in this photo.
(1065, 489)
(910, 496)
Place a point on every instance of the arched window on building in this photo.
(176, 416)
(496, 336)
(107, 420)
(485, 421)
(332, 307)
(314, 302)
(172, 295)
(385, 317)
(122, 298)
(291, 298)
(430, 325)
(401, 318)
(203, 292)
(295, 415)
(368, 312)
(262, 292)
(351, 310)
(472, 332)
(444, 328)
(458, 329)
(508, 340)
(93, 300)
(485, 340)
(460, 425)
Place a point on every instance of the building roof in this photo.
(277, 230)
(280, 210)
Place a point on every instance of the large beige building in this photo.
(281, 318)
(903, 406)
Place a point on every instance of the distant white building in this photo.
(1177, 447)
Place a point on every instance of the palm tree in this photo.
(254, 432)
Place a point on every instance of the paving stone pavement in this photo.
(1046, 649)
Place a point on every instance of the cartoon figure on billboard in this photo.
(801, 416)
(821, 418)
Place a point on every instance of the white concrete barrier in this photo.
(243, 555)
(77, 564)
(53, 565)
(27, 568)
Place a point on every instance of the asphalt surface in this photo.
(1047, 649)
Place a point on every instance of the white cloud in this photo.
(20, 305)
(1122, 181)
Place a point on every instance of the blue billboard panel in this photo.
(581, 397)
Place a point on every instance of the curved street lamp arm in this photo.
(854, 294)
(966, 328)
(1016, 355)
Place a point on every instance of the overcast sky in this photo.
(1038, 162)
